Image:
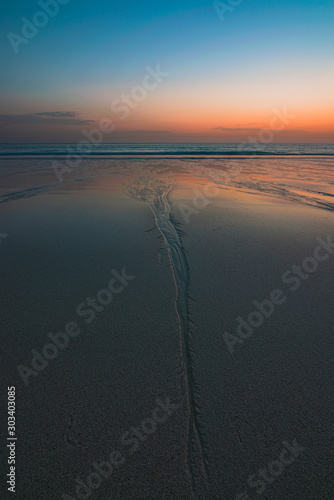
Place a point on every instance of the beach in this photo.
(168, 325)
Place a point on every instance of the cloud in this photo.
(146, 131)
(236, 129)
(253, 130)
(252, 124)
(59, 114)
(46, 118)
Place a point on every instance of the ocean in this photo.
(181, 149)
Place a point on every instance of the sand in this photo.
(200, 249)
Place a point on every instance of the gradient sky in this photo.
(225, 76)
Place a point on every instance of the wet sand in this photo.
(202, 240)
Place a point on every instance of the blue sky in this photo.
(90, 52)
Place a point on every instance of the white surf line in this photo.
(154, 193)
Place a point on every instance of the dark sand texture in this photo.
(162, 337)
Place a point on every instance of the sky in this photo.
(167, 71)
